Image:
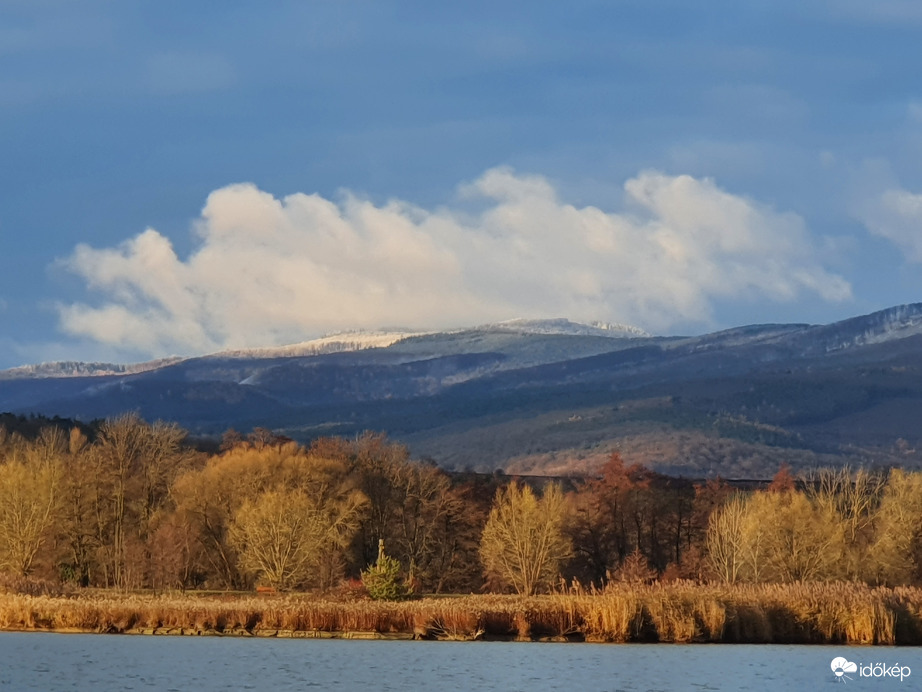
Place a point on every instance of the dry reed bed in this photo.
(778, 613)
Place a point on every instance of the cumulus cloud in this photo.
(270, 271)
(896, 215)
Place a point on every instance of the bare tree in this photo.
(854, 497)
(209, 498)
(134, 466)
(896, 554)
(775, 536)
(175, 554)
(226, 506)
(524, 544)
(725, 540)
(29, 490)
(282, 534)
(801, 541)
(78, 527)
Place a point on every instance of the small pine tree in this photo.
(382, 580)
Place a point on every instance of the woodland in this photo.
(128, 505)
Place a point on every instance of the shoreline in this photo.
(810, 613)
(292, 634)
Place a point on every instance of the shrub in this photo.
(382, 580)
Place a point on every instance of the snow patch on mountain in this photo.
(565, 326)
(898, 322)
(78, 369)
(880, 327)
(344, 342)
(361, 340)
(333, 343)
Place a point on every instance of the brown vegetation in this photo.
(833, 613)
(129, 506)
(523, 544)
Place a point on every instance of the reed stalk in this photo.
(831, 613)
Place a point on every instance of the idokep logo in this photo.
(841, 667)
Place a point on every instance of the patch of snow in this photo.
(61, 369)
(892, 324)
(334, 343)
(566, 327)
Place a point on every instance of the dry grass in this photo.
(793, 613)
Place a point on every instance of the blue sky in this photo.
(183, 177)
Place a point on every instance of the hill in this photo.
(546, 396)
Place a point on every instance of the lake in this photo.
(49, 662)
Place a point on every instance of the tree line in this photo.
(132, 505)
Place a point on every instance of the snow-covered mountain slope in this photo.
(548, 340)
(480, 395)
(344, 342)
(565, 326)
(80, 369)
(334, 343)
(880, 327)
(522, 343)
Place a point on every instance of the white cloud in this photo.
(896, 215)
(270, 271)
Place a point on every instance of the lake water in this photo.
(50, 662)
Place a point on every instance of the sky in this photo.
(179, 178)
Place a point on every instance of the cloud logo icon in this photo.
(840, 666)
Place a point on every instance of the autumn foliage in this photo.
(131, 506)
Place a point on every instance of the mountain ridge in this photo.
(550, 394)
(347, 341)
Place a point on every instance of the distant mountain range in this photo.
(546, 396)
